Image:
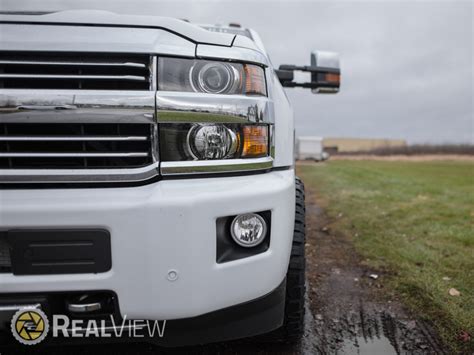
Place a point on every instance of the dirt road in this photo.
(348, 310)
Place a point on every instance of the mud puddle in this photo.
(370, 332)
(369, 347)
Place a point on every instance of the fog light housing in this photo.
(248, 230)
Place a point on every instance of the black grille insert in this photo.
(31, 70)
(5, 258)
(75, 145)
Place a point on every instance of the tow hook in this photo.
(86, 304)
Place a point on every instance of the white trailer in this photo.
(311, 148)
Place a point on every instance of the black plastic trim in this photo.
(59, 251)
(248, 319)
(228, 250)
(281, 168)
(73, 185)
(252, 318)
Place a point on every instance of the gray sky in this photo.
(407, 65)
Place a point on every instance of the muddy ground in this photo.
(351, 312)
(347, 310)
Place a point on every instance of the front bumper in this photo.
(168, 225)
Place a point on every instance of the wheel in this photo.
(293, 324)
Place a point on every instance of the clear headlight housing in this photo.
(188, 141)
(212, 77)
(198, 134)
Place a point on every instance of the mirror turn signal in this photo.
(325, 72)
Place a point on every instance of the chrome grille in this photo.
(75, 145)
(32, 70)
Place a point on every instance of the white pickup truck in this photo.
(147, 173)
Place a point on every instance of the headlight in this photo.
(212, 142)
(187, 141)
(213, 77)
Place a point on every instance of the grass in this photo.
(414, 220)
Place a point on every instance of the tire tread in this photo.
(293, 325)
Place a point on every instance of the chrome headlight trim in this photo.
(215, 166)
(175, 106)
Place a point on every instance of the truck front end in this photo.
(146, 172)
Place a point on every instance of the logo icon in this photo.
(29, 326)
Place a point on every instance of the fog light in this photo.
(248, 230)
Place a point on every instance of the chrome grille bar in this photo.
(89, 146)
(77, 77)
(71, 139)
(74, 155)
(93, 64)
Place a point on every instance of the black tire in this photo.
(293, 325)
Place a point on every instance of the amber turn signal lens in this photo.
(333, 78)
(255, 141)
(254, 80)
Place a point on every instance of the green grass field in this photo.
(415, 221)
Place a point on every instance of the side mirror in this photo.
(325, 73)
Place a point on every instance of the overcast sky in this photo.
(407, 65)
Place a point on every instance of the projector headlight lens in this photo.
(214, 78)
(248, 230)
(211, 77)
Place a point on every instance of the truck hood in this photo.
(105, 31)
